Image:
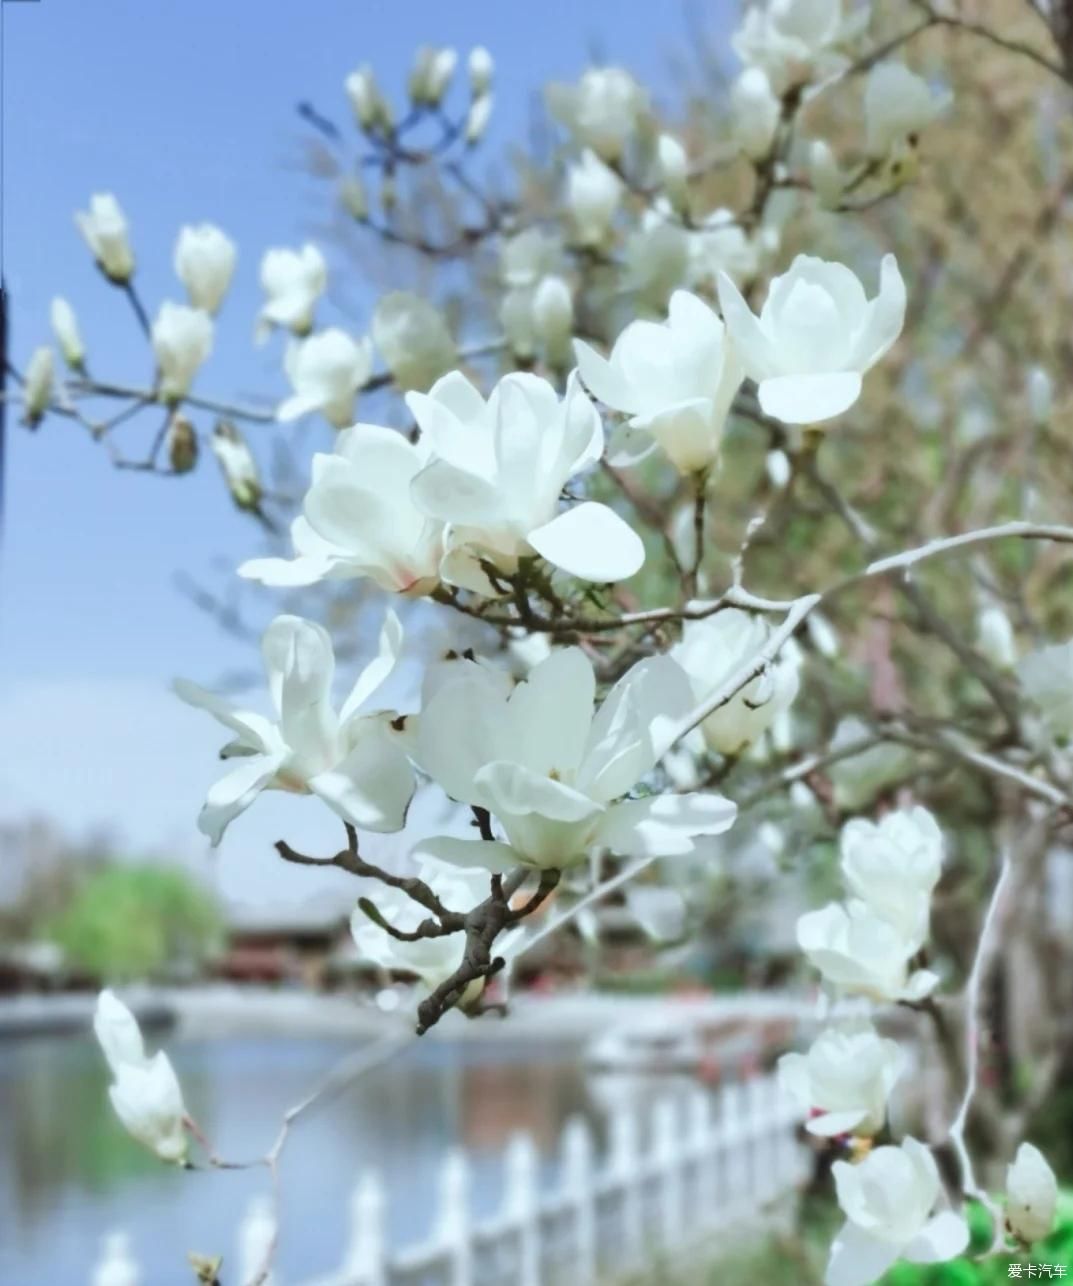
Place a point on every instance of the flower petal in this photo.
(591, 542)
(235, 792)
(489, 855)
(453, 495)
(885, 317)
(379, 668)
(808, 399)
(857, 1259)
(373, 785)
(603, 380)
(664, 825)
(513, 791)
(752, 345)
(944, 1236)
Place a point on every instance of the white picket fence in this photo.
(700, 1162)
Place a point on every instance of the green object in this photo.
(137, 921)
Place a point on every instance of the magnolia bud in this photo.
(238, 466)
(823, 634)
(181, 444)
(1031, 1195)
(182, 340)
(354, 197)
(778, 468)
(756, 113)
(825, 175)
(205, 263)
(553, 313)
(480, 112)
(440, 71)
(365, 98)
(37, 391)
(674, 170)
(105, 230)
(481, 69)
(1040, 392)
(65, 328)
(995, 638)
(389, 193)
(417, 82)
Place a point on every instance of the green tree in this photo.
(137, 921)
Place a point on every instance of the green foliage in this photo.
(128, 922)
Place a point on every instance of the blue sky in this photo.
(186, 112)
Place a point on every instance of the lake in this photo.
(68, 1173)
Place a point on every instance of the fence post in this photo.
(667, 1151)
(763, 1126)
(365, 1262)
(579, 1190)
(702, 1145)
(521, 1205)
(453, 1224)
(625, 1171)
(256, 1236)
(116, 1265)
(736, 1172)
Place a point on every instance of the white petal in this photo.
(300, 664)
(750, 342)
(550, 714)
(460, 729)
(664, 825)
(944, 1236)
(235, 792)
(489, 855)
(886, 316)
(511, 790)
(285, 573)
(453, 495)
(592, 542)
(602, 379)
(808, 399)
(832, 1123)
(858, 1259)
(378, 670)
(254, 730)
(372, 787)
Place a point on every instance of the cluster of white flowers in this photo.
(491, 498)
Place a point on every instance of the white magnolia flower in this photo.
(496, 474)
(710, 651)
(1039, 388)
(756, 112)
(412, 338)
(205, 263)
(238, 466)
(434, 960)
(553, 318)
(898, 104)
(526, 258)
(516, 318)
(440, 70)
(481, 69)
(673, 170)
(893, 865)
(116, 1266)
(602, 110)
(350, 759)
(106, 232)
(846, 1078)
(358, 519)
(658, 256)
(367, 102)
(293, 281)
(182, 340)
(674, 380)
(1047, 678)
(888, 1199)
(37, 389)
(793, 41)
(68, 336)
(995, 639)
(825, 174)
(721, 244)
(477, 118)
(1031, 1195)
(593, 192)
(862, 953)
(354, 197)
(327, 370)
(859, 778)
(145, 1091)
(551, 772)
(815, 337)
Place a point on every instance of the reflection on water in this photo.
(68, 1173)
